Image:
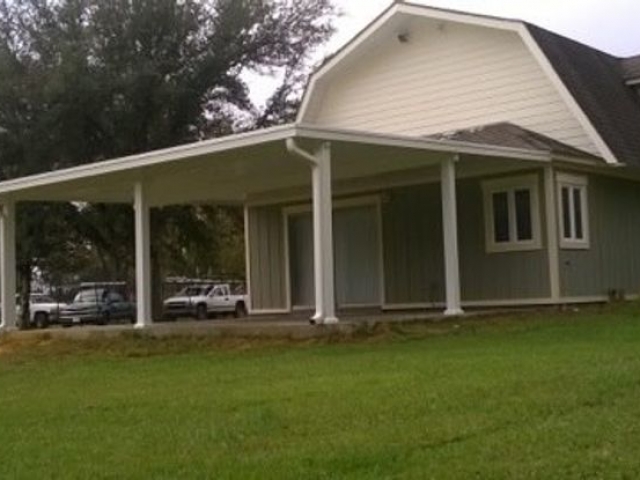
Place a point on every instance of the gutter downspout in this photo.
(322, 230)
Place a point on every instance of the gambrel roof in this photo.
(631, 68)
(596, 86)
(505, 134)
(597, 81)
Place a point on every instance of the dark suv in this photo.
(99, 305)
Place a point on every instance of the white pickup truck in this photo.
(43, 310)
(204, 301)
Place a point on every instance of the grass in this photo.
(528, 396)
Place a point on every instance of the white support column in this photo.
(552, 233)
(247, 258)
(323, 237)
(8, 265)
(143, 257)
(450, 230)
(318, 264)
(323, 266)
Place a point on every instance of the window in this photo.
(512, 218)
(217, 292)
(573, 211)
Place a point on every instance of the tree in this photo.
(82, 81)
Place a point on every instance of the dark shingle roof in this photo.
(506, 134)
(631, 68)
(597, 82)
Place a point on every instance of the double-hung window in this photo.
(512, 214)
(573, 211)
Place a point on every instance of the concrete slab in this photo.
(272, 327)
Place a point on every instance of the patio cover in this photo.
(237, 168)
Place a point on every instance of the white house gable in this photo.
(441, 76)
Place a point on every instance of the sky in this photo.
(609, 25)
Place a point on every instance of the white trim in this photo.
(302, 308)
(450, 236)
(8, 315)
(633, 82)
(383, 284)
(381, 183)
(316, 81)
(566, 95)
(553, 253)
(509, 185)
(520, 302)
(516, 26)
(136, 164)
(338, 57)
(287, 260)
(359, 305)
(247, 258)
(323, 236)
(419, 143)
(581, 184)
(267, 311)
(144, 315)
(156, 157)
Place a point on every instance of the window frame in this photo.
(581, 184)
(510, 185)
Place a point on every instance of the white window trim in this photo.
(510, 184)
(574, 181)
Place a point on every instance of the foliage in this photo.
(82, 81)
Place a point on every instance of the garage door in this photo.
(356, 255)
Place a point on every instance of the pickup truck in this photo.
(204, 301)
(97, 305)
(43, 310)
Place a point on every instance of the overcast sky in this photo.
(609, 25)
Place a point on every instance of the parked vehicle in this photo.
(43, 310)
(203, 301)
(100, 304)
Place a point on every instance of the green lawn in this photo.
(523, 397)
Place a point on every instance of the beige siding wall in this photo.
(266, 256)
(443, 80)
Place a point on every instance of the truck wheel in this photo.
(240, 311)
(41, 319)
(201, 312)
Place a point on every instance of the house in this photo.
(439, 160)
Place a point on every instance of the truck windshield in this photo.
(88, 296)
(194, 291)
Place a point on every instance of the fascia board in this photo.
(353, 44)
(156, 157)
(371, 29)
(135, 162)
(566, 95)
(401, 141)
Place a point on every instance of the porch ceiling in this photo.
(231, 169)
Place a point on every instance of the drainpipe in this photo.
(322, 230)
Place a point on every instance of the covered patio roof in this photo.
(240, 168)
(232, 169)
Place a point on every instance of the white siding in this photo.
(446, 78)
